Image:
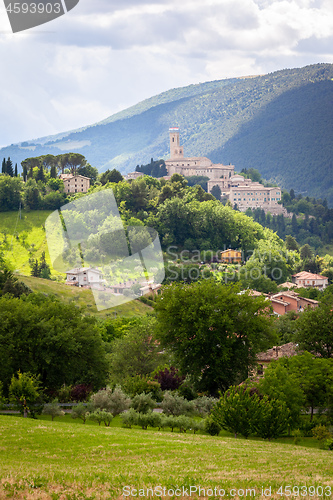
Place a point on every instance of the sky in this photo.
(106, 55)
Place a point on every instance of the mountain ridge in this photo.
(248, 121)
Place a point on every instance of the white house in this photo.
(84, 276)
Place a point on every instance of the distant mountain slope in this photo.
(280, 123)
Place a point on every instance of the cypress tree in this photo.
(9, 167)
(25, 173)
(4, 168)
(15, 173)
(40, 174)
(53, 173)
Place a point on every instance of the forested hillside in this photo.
(280, 123)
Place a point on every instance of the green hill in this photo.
(280, 123)
(24, 238)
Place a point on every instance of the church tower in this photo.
(176, 151)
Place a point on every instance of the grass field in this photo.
(23, 238)
(84, 298)
(41, 459)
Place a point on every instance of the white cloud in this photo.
(106, 55)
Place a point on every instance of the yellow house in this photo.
(231, 256)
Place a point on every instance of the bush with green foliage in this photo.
(272, 418)
(81, 411)
(24, 392)
(204, 405)
(211, 426)
(114, 401)
(175, 405)
(322, 433)
(142, 383)
(236, 411)
(53, 409)
(143, 402)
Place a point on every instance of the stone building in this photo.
(240, 191)
(306, 280)
(178, 164)
(75, 183)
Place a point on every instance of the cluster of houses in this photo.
(92, 277)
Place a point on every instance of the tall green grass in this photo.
(44, 459)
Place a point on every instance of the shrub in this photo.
(183, 423)
(176, 405)
(272, 417)
(321, 433)
(328, 444)
(307, 425)
(236, 411)
(24, 392)
(129, 418)
(81, 392)
(96, 416)
(204, 405)
(139, 384)
(53, 409)
(64, 394)
(142, 403)
(297, 435)
(169, 379)
(211, 427)
(197, 425)
(115, 401)
(81, 411)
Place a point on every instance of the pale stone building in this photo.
(75, 183)
(240, 191)
(178, 164)
(84, 276)
(306, 280)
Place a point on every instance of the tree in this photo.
(81, 411)
(306, 252)
(114, 401)
(272, 418)
(237, 410)
(24, 391)
(291, 243)
(10, 193)
(88, 171)
(213, 330)
(136, 353)
(47, 337)
(15, 173)
(315, 377)
(315, 330)
(9, 283)
(53, 409)
(9, 167)
(279, 384)
(53, 172)
(40, 174)
(31, 196)
(216, 192)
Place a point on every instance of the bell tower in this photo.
(176, 151)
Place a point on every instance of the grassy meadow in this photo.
(67, 459)
(24, 238)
